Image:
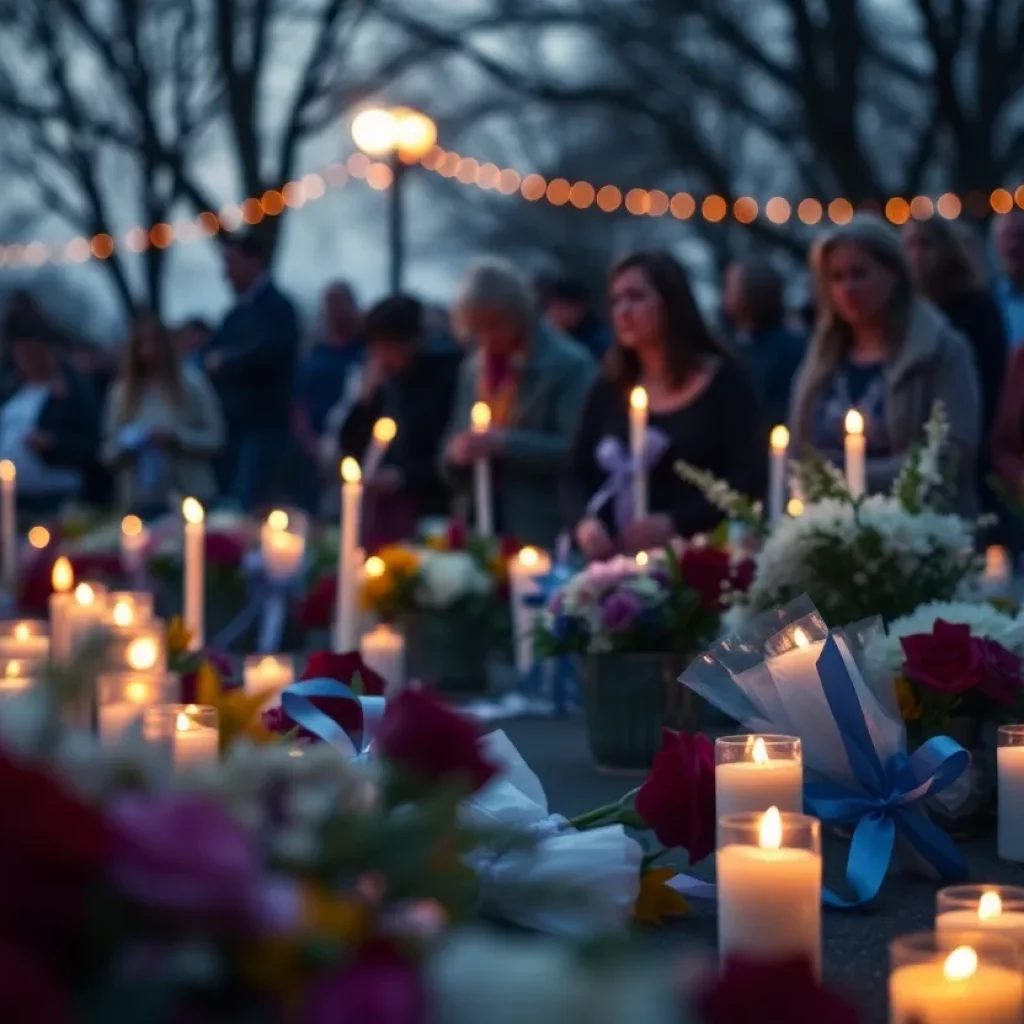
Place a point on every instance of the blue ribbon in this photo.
(563, 676)
(297, 705)
(888, 800)
(261, 589)
(615, 459)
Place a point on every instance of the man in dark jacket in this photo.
(251, 361)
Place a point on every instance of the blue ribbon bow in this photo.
(262, 590)
(297, 705)
(888, 801)
(563, 681)
(611, 455)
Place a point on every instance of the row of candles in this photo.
(769, 873)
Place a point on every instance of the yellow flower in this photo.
(238, 712)
(437, 542)
(400, 560)
(906, 698)
(656, 900)
(179, 636)
(343, 919)
(376, 591)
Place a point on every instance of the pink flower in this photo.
(620, 611)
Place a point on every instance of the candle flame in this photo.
(39, 537)
(638, 398)
(800, 638)
(642, 558)
(759, 753)
(779, 439)
(12, 669)
(990, 906)
(85, 595)
(278, 519)
(854, 422)
(21, 631)
(131, 526)
(142, 653)
(63, 576)
(795, 507)
(385, 430)
(137, 692)
(350, 471)
(770, 832)
(480, 416)
(529, 557)
(192, 511)
(122, 614)
(184, 722)
(7, 471)
(375, 567)
(961, 964)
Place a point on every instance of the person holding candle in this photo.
(533, 381)
(881, 350)
(698, 396)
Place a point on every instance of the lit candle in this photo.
(854, 452)
(86, 612)
(753, 773)
(123, 697)
(8, 524)
(794, 508)
(1010, 791)
(984, 908)
(346, 611)
(134, 539)
(282, 545)
(15, 678)
(777, 474)
(62, 580)
(955, 978)
(480, 420)
(139, 649)
(25, 639)
(998, 571)
(524, 571)
(128, 608)
(769, 886)
(39, 538)
(637, 430)
(266, 675)
(384, 432)
(188, 733)
(195, 571)
(383, 650)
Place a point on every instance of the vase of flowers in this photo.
(634, 626)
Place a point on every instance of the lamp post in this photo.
(404, 136)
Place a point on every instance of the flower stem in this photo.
(595, 817)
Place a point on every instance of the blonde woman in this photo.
(163, 425)
(884, 351)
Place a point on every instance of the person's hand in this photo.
(653, 531)
(593, 540)
(471, 445)
(39, 441)
(387, 480)
(213, 361)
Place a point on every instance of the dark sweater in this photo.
(720, 431)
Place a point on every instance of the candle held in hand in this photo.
(637, 432)
(777, 473)
(854, 450)
(8, 524)
(385, 430)
(480, 422)
(349, 561)
(195, 572)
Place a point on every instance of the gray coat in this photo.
(552, 386)
(934, 364)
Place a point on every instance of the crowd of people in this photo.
(245, 413)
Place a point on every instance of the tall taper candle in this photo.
(637, 430)
(195, 571)
(384, 432)
(62, 579)
(480, 420)
(8, 521)
(854, 452)
(346, 637)
(777, 474)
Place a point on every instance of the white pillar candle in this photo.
(16, 677)
(637, 431)
(26, 639)
(480, 421)
(195, 572)
(134, 539)
(1010, 792)
(282, 545)
(998, 571)
(129, 609)
(769, 887)
(777, 474)
(86, 613)
(346, 609)
(8, 524)
(384, 432)
(997, 909)
(753, 773)
(524, 570)
(63, 580)
(266, 675)
(383, 650)
(188, 734)
(123, 697)
(976, 982)
(854, 450)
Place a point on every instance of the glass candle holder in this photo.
(267, 674)
(1010, 787)
(987, 908)
(25, 638)
(952, 977)
(753, 773)
(138, 648)
(283, 543)
(130, 609)
(122, 697)
(17, 675)
(769, 886)
(187, 734)
(383, 650)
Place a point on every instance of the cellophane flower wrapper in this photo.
(572, 884)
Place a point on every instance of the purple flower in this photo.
(619, 611)
(379, 986)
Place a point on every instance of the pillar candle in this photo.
(123, 698)
(997, 909)
(777, 474)
(769, 886)
(1010, 792)
(753, 773)
(267, 675)
(86, 612)
(524, 571)
(383, 650)
(384, 432)
(16, 677)
(346, 610)
(63, 580)
(26, 639)
(637, 430)
(194, 584)
(134, 539)
(480, 420)
(188, 734)
(8, 524)
(855, 453)
(282, 545)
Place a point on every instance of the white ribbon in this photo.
(598, 869)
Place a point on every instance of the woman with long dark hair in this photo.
(700, 400)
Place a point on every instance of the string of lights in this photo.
(532, 187)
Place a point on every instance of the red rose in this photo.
(1001, 679)
(710, 572)
(744, 988)
(456, 536)
(318, 605)
(946, 661)
(224, 550)
(677, 799)
(421, 733)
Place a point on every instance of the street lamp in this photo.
(404, 136)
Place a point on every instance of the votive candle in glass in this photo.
(130, 608)
(267, 675)
(985, 908)
(16, 676)
(25, 638)
(283, 544)
(1010, 787)
(138, 649)
(188, 733)
(525, 572)
(123, 698)
(86, 613)
(769, 886)
(753, 773)
(62, 579)
(954, 977)
(383, 650)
